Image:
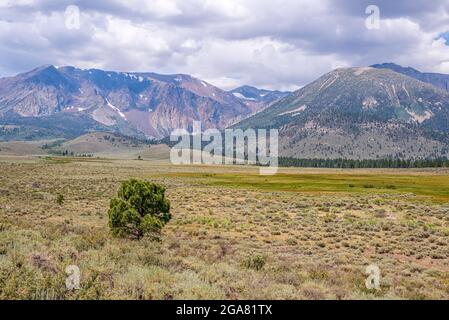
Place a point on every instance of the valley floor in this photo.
(302, 234)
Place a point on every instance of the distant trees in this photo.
(67, 153)
(140, 208)
(371, 163)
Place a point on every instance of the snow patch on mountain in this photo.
(116, 109)
(241, 96)
(296, 111)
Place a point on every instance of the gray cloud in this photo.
(275, 44)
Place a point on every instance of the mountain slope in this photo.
(58, 125)
(109, 145)
(360, 113)
(131, 103)
(437, 79)
(98, 142)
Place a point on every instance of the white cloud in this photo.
(275, 44)
(159, 8)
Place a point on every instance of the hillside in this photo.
(360, 113)
(108, 145)
(59, 125)
(22, 148)
(437, 79)
(99, 142)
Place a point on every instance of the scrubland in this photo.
(302, 234)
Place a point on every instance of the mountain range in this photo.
(380, 111)
(69, 101)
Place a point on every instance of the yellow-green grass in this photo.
(434, 186)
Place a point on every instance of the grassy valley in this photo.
(302, 234)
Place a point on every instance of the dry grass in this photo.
(225, 241)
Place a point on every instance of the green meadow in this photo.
(432, 186)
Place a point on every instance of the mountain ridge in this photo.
(360, 113)
(143, 102)
(251, 93)
(439, 80)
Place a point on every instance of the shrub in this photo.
(256, 262)
(140, 208)
(380, 213)
(60, 199)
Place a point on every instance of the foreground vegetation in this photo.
(139, 209)
(305, 234)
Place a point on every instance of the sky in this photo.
(283, 44)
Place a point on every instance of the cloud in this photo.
(281, 44)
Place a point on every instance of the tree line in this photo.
(374, 163)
